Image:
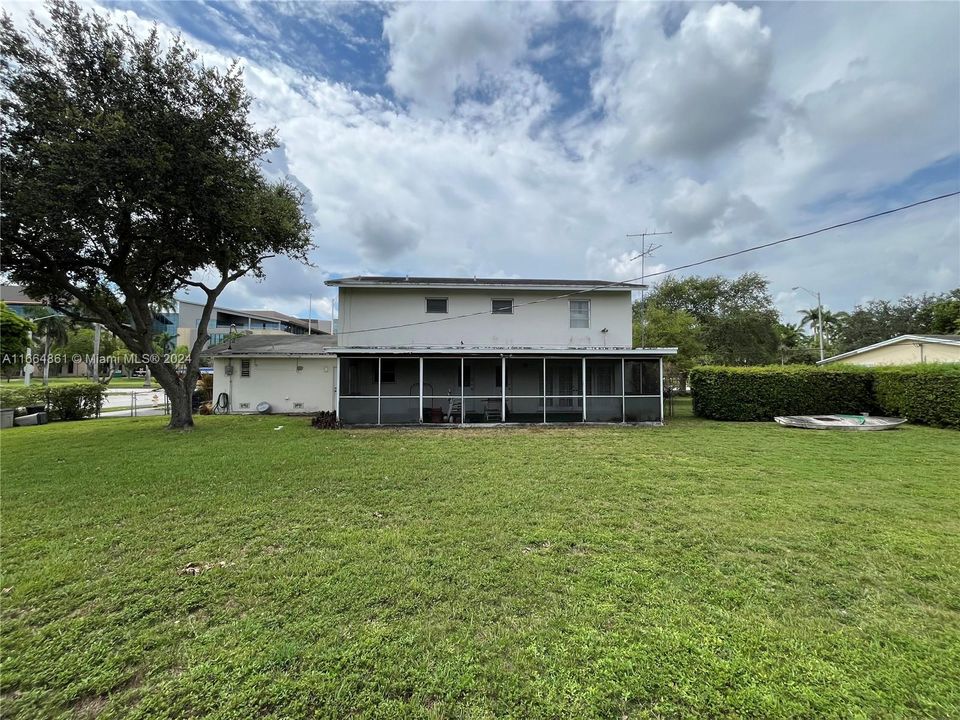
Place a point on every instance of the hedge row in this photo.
(62, 402)
(928, 394)
(759, 393)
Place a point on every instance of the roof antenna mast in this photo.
(644, 251)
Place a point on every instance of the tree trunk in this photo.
(179, 394)
(147, 381)
(181, 411)
(46, 361)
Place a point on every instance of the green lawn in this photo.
(135, 383)
(697, 570)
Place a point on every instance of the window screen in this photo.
(579, 313)
(503, 307)
(244, 368)
(436, 305)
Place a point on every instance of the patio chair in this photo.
(492, 411)
(455, 410)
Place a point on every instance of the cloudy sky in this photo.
(530, 139)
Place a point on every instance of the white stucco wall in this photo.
(906, 352)
(544, 324)
(278, 382)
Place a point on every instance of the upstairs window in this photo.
(436, 305)
(579, 313)
(503, 307)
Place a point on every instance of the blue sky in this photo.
(530, 139)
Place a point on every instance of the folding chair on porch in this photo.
(455, 410)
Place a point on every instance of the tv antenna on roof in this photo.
(644, 251)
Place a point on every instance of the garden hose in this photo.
(223, 404)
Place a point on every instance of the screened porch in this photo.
(404, 390)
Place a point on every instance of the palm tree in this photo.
(810, 317)
(833, 323)
(54, 330)
(790, 337)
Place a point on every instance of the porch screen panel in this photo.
(400, 377)
(642, 390)
(604, 409)
(642, 377)
(524, 389)
(564, 390)
(441, 390)
(642, 409)
(481, 390)
(358, 377)
(399, 410)
(358, 411)
(604, 390)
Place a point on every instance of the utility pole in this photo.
(644, 251)
(310, 316)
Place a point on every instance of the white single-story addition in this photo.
(903, 350)
(292, 373)
(463, 351)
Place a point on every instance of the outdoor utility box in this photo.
(39, 418)
(6, 418)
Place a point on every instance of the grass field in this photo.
(697, 570)
(134, 383)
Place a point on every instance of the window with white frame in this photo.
(502, 306)
(244, 368)
(436, 305)
(579, 313)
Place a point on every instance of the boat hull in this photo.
(839, 422)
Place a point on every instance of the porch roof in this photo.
(462, 351)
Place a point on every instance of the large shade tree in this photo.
(735, 319)
(129, 172)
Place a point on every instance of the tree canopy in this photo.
(734, 321)
(14, 339)
(130, 170)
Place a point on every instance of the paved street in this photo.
(121, 401)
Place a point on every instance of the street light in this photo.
(819, 315)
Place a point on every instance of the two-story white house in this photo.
(413, 350)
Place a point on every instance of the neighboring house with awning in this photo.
(412, 350)
(903, 350)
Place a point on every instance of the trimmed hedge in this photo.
(759, 393)
(928, 394)
(63, 402)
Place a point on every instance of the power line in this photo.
(664, 272)
(805, 235)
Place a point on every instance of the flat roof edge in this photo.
(499, 351)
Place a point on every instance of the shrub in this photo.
(760, 393)
(928, 394)
(14, 396)
(63, 402)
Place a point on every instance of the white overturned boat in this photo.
(840, 422)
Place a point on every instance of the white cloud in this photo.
(732, 130)
(695, 210)
(689, 94)
(440, 49)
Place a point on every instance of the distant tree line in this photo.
(733, 321)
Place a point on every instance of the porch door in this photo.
(561, 381)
